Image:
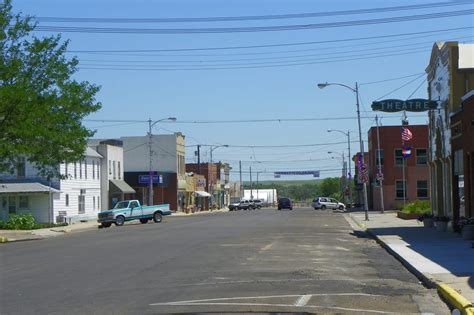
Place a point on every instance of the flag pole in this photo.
(404, 117)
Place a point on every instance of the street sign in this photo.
(379, 177)
(145, 179)
(413, 105)
(314, 173)
(363, 178)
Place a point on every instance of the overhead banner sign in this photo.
(413, 105)
(313, 173)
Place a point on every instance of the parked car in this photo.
(234, 206)
(285, 203)
(129, 210)
(258, 203)
(327, 203)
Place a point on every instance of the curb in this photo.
(455, 299)
(451, 296)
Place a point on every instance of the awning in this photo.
(202, 194)
(122, 186)
(6, 188)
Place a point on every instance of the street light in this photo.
(356, 91)
(348, 135)
(344, 173)
(150, 183)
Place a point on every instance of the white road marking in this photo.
(362, 281)
(342, 240)
(303, 300)
(266, 247)
(342, 248)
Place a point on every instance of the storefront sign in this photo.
(201, 182)
(145, 179)
(413, 105)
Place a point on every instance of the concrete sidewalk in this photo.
(440, 259)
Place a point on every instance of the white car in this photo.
(327, 203)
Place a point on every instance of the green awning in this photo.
(122, 186)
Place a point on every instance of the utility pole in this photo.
(349, 182)
(150, 169)
(364, 184)
(379, 166)
(241, 190)
(257, 184)
(199, 158)
(251, 186)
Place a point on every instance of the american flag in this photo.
(406, 134)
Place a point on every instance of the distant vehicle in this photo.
(234, 206)
(129, 210)
(327, 203)
(258, 203)
(285, 203)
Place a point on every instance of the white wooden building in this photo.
(73, 199)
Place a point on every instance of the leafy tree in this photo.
(330, 186)
(41, 106)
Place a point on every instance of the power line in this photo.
(275, 45)
(419, 86)
(400, 87)
(249, 29)
(282, 146)
(250, 18)
(392, 79)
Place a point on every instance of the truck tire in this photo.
(143, 221)
(120, 220)
(157, 217)
(106, 224)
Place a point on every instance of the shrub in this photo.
(419, 206)
(25, 222)
(20, 222)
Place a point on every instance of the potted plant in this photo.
(441, 223)
(427, 219)
(467, 228)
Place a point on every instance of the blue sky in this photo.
(256, 93)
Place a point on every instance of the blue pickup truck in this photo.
(129, 210)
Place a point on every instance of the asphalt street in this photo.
(300, 261)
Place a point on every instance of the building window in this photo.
(93, 202)
(98, 203)
(23, 202)
(421, 156)
(82, 203)
(110, 167)
(119, 170)
(75, 170)
(377, 152)
(11, 204)
(85, 169)
(113, 165)
(93, 169)
(98, 170)
(399, 157)
(21, 167)
(458, 163)
(66, 170)
(67, 200)
(400, 192)
(422, 189)
(80, 169)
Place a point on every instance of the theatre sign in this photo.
(413, 105)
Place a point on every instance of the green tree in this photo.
(330, 187)
(41, 105)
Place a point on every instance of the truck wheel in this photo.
(143, 221)
(106, 224)
(157, 217)
(323, 207)
(120, 220)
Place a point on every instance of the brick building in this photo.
(462, 156)
(391, 161)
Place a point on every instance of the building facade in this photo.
(113, 187)
(462, 156)
(167, 162)
(404, 179)
(77, 197)
(450, 76)
(217, 179)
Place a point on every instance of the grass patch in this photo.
(417, 207)
(25, 222)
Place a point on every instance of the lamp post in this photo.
(343, 171)
(211, 183)
(152, 123)
(348, 134)
(356, 92)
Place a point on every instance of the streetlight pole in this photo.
(150, 151)
(356, 91)
(349, 157)
(344, 174)
(211, 188)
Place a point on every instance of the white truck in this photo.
(129, 210)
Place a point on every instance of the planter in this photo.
(427, 222)
(468, 232)
(441, 226)
(407, 216)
